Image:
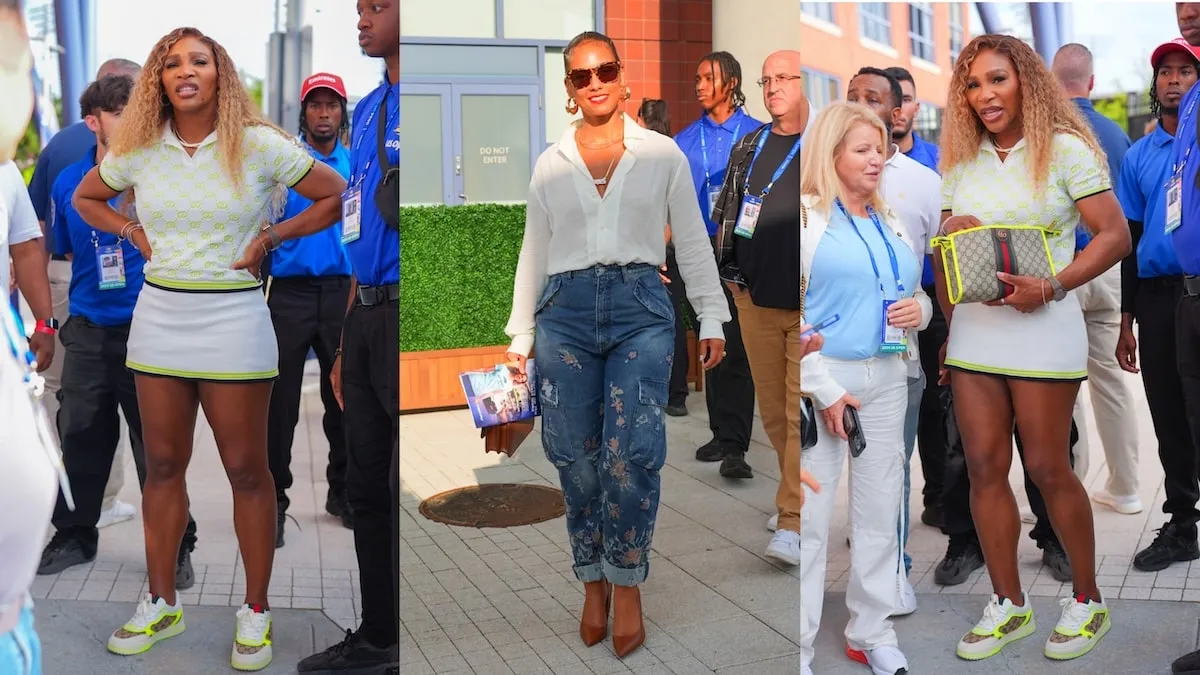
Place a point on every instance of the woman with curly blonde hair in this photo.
(1016, 151)
(206, 171)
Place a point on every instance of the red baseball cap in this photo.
(1176, 45)
(324, 81)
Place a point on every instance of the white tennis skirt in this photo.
(214, 336)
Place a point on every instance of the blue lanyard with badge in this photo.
(1175, 184)
(35, 387)
(352, 197)
(752, 206)
(714, 191)
(895, 339)
(110, 262)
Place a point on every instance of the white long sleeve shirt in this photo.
(568, 226)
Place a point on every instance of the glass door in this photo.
(494, 144)
(426, 177)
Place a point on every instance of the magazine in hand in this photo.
(495, 398)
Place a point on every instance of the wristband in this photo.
(46, 327)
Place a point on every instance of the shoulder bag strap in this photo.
(381, 135)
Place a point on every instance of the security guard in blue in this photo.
(707, 142)
(106, 277)
(366, 374)
(310, 278)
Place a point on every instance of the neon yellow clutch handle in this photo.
(946, 244)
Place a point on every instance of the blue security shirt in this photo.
(1186, 238)
(1141, 189)
(1113, 142)
(924, 152)
(842, 282)
(375, 255)
(111, 307)
(64, 149)
(319, 254)
(719, 139)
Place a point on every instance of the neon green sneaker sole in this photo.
(132, 647)
(967, 654)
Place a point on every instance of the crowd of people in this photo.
(179, 253)
(836, 316)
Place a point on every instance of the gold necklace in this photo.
(603, 180)
(182, 142)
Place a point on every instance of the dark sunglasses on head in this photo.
(607, 72)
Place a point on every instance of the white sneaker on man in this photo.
(119, 513)
(806, 670)
(784, 547)
(1028, 517)
(885, 660)
(906, 600)
(773, 523)
(1123, 505)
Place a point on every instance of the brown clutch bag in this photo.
(506, 437)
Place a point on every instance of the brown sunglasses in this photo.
(607, 72)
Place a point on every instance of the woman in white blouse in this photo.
(587, 281)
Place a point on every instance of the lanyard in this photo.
(762, 140)
(1177, 169)
(887, 244)
(704, 148)
(361, 176)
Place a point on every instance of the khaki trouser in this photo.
(59, 273)
(772, 339)
(1100, 300)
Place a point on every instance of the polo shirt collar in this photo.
(895, 153)
(1084, 103)
(991, 147)
(1160, 137)
(728, 125)
(169, 138)
(90, 155)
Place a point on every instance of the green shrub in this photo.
(457, 264)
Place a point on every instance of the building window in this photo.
(818, 10)
(820, 89)
(928, 124)
(875, 22)
(449, 19)
(547, 19)
(920, 30)
(957, 32)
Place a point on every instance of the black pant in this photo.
(680, 366)
(1157, 301)
(370, 390)
(1182, 474)
(956, 487)
(95, 383)
(729, 388)
(932, 444)
(307, 313)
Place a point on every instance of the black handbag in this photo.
(387, 195)
(808, 413)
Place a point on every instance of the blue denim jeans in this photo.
(604, 346)
(916, 388)
(20, 650)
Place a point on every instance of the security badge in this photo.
(110, 261)
(351, 226)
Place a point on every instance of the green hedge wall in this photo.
(458, 264)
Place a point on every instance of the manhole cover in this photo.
(494, 505)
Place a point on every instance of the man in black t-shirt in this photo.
(758, 257)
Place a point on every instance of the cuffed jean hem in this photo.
(625, 576)
(589, 573)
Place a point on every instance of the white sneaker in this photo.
(252, 642)
(1002, 623)
(805, 670)
(1124, 505)
(885, 660)
(906, 602)
(785, 547)
(1080, 627)
(153, 620)
(119, 513)
(773, 523)
(1027, 517)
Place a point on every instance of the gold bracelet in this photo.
(129, 227)
(1043, 287)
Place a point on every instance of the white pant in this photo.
(59, 273)
(1100, 300)
(876, 487)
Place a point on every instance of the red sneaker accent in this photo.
(857, 655)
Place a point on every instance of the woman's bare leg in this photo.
(237, 413)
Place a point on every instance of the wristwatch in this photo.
(273, 237)
(1060, 291)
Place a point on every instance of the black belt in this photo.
(60, 258)
(375, 295)
(1191, 285)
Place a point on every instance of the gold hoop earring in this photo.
(572, 106)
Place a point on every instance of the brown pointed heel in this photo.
(593, 634)
(624, 645)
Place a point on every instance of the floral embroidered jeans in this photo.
(605, 341)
